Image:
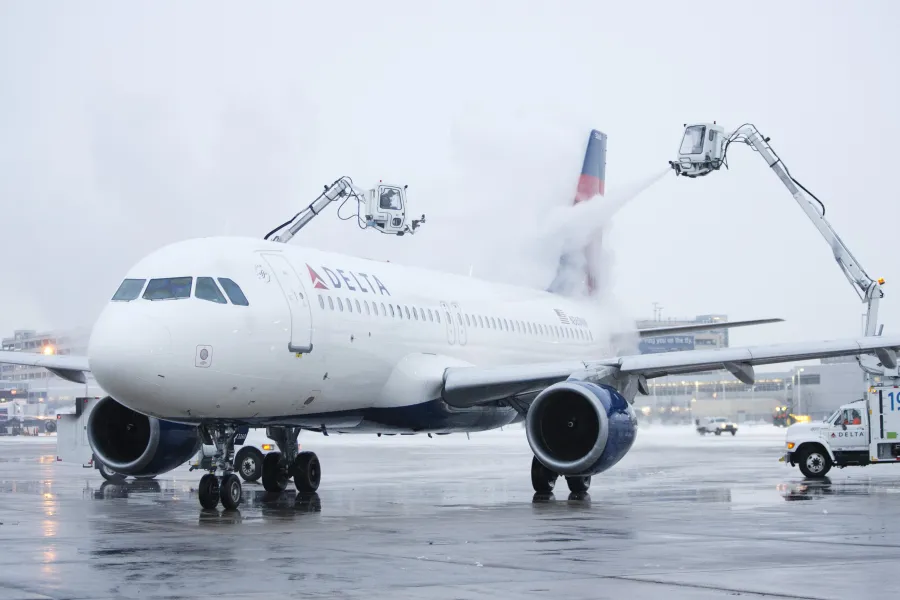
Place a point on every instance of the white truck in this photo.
(857, 434)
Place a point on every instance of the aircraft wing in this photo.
(471, 386)
(676, 329)
(70, 368)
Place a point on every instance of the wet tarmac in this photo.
(682, 516)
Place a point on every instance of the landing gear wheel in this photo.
(273, 474)
(733, 432)
(108, 474)
(231, 491)
(248, 463)
(579, 484)
(307, 472)
(814, 463)
(209, 491)
(542, 478)
(718, 432)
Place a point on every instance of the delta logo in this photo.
(340, 279)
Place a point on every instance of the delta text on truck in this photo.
(860, 433)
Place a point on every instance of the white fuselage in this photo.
(323, 335)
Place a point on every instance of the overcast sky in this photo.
(124, 127)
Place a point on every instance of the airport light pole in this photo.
(799, 391)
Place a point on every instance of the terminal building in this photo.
(36, 385)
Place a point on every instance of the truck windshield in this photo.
(833, 416)
(692, 143)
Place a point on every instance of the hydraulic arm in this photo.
(704, 149)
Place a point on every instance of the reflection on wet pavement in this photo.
(415, 517)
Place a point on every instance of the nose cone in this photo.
(129, 353)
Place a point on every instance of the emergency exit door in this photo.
(297, 300)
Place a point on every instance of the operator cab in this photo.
(701, 151)
(386, 210)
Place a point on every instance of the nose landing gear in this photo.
(226, 488)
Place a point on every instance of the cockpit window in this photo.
(129, 290)
(208, 290)
(170, 288)
(234, 292)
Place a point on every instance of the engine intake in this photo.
(580, 428)
(131, 443)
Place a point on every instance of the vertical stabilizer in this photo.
(575, 274)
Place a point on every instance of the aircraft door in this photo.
(451, 329)
(297, 300)
(462, 334)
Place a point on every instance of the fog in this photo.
(126, 127)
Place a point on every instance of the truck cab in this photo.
(859, 433)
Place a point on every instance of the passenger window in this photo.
(415, 313)
(392, 310)
(171, 288)
(366, 302)
(340, 304)
(358, 309)
(468, 322)
(330, 303)
(383, 310)
(208, 290)
(449, 320)
(407, 311)
(422, 313)
(321, 302)
(233, 291)
(430, 315)
(437, 316)
(129, 290)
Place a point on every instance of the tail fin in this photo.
(575, 270)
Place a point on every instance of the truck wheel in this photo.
(718, 432)
(814, 462)
(248, 462)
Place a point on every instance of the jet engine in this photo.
(580, 428)
(134, 444)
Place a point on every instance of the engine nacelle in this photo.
(580, 428)
(134, 444)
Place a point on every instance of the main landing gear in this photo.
(226, 488)
(280, 466)
(544, 480)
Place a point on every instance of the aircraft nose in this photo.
(129, 354)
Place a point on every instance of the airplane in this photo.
(207, 336)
